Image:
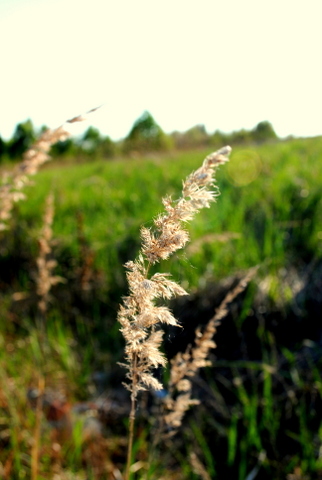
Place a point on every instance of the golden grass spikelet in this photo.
(197, 467)
(32, 160)
(138, 315)
(169, 235)
(177, 409)
(186, 365)
(45, 279)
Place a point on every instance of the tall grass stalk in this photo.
(45, 278)
(38, 154)
(139, 316)
(44, 281)
(184, 366)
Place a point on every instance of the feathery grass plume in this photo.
(45, 279)
(197, 467)
(185, 365)
(139, 317)
(13, 184)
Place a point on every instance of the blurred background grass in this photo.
(261, 399)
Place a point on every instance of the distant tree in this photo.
(91, 140)
(219, 139)
(107, 148)
(3, 148)
(23, 137)
(63, 148)
(240, 137)
(195, 137)
(146, 135)
(93, 144)
(43, 129)
(263, 131)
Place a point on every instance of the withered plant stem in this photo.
(131, 421)
(185, 365)
(36, 437)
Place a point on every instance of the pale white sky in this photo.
(226, 64)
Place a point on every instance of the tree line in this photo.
(146, 136)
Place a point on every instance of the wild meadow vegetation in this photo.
(252, 268)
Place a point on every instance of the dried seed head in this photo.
(139, 317)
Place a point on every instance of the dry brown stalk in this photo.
(185, 365)
(36, 438)
(197, 467)
(46, 279)
(33, 159)
(86, 272)
(139, 317)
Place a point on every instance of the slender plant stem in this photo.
(133, 407)
(131, 418)
(36, 444)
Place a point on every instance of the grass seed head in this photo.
(139, 317)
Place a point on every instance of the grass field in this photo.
(261, 400)
(269, 204)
